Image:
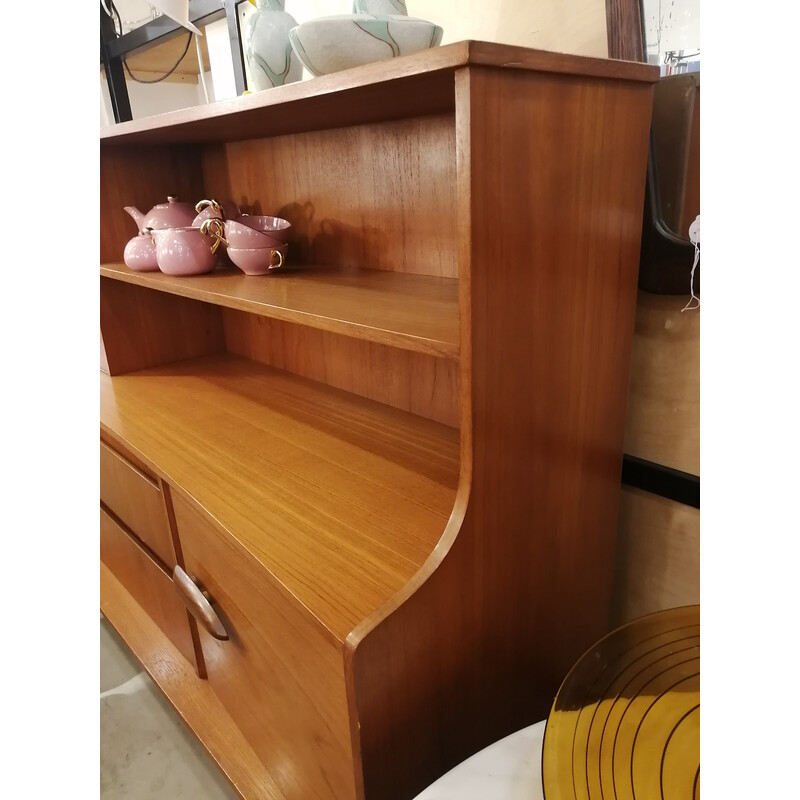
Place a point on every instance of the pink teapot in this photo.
(171, 214)
(140, 251)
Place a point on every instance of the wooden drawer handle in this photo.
(198, 604)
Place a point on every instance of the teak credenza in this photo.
(395, 472)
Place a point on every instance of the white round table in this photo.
(509, 769)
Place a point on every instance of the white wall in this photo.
(149, 99)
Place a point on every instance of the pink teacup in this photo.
(258, 260)
(257, 231)
(211, 209)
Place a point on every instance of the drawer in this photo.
(136, 499)
(279, 676)
(147, 583)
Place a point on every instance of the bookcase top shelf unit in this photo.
(450, 541)
(414, 85)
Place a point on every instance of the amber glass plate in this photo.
(625, 723)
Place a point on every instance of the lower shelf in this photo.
(340, 499)
(192, 697)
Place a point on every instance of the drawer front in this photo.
(136, 499)
(279, 677)
(147, 583)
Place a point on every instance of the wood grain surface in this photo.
(456, 571)
(193, 699)
(657, 556)
(625, 30)
(135, 498)
(415, 382)
(142, 177)
(147, 582)
(415, 312)
(142, 328)
(413, 85)
(478, 644)
(340, 499)
(280, 678)
(153, 62)
(378, 196)
(663, 420)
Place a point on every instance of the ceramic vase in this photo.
(380, 7)
(270, 57)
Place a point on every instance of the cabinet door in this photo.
(279, 675)
(135, 498)
(147, 583)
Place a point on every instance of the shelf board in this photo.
(413, 312)
(414, 85)
(157, 59)
(341, 499)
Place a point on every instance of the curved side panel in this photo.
(551, 179)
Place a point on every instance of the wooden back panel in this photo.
(414, 382)
(521, 583)
(144, 328)
(380, 196)
(142, 176)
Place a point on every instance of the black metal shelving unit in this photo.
(114, 48)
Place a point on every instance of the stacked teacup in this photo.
(256, 244)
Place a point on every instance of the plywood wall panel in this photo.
(663, 419)
(658, 555)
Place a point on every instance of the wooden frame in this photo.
(625, 29)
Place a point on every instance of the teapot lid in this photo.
(172, 200)
(172, 214)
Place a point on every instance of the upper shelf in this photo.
(412, 85)
(413, 312)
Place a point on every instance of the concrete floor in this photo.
(146, 751)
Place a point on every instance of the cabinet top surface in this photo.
(416, 84)
(340, 498)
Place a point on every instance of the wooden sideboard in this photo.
(394, 470)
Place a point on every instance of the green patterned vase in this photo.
(270, 57)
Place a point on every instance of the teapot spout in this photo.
(138, 217)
